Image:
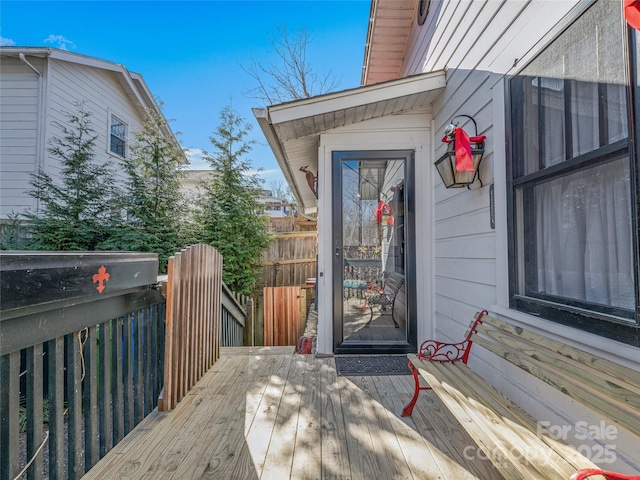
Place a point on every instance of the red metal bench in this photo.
(510, 437)
(589, 472)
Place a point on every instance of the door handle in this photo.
(337, 249)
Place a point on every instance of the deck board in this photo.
(272, 414)
(306, 455)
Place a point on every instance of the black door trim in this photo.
(339, 347)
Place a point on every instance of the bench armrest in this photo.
(435, 351)
(588, 472)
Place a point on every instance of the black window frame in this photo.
(610, 323)
(121, 149)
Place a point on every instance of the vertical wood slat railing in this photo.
(81, 363)
(194, 305)
(233, 319)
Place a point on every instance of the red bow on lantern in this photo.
(632, 13)
(383, 210)
(464, 159)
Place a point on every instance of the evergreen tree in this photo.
(74, 211)
(14, 234)
(230, 217)
(153, 202)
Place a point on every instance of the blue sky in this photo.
(190, 52)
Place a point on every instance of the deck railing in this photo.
(83, 352)
(81, 357)
(233, 319)
(202, 315)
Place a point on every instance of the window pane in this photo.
(573, 93)
(117, 127)
(118, 137)
(572, 254)
(117, 145)
(552, 113)
(617, 120)
(583, 247)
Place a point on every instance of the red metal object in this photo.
(632, 13)
(101, 277)
(588, 472)
(305, 345)
(407, 410)
(435, 351)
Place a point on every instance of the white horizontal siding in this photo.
(19, 99)
(102, 94)
(478, 42)
(64, 84)
(471, 40)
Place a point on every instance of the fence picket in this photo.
(194, 289)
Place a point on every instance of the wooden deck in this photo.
(267, 413)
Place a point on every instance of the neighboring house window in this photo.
(118, 140)
(572, 214)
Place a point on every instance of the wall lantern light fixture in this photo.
(459, 166)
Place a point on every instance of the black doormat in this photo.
(370, 365)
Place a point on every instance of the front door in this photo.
(374, 253)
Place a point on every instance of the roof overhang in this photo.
(293, 129)
(390, 23)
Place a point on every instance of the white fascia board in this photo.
(262, 116)
(84, 60)
(134, 81)
(142, 87)
(150, 102)
(355, 97)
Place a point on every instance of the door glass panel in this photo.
(373, 258)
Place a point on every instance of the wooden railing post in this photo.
(259, 321)
(248, 339)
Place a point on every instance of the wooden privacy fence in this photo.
(290, 259)
(284, 315)
(291, 224)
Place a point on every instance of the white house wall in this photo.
(29, 119)
(20, 109)
(410, 131)
(478, 42)
(102, 94)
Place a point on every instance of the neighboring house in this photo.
(274, 207)
(192, 188)
(192, 184)
(38, 86)
(549, 240)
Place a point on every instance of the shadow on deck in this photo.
(262, 413)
